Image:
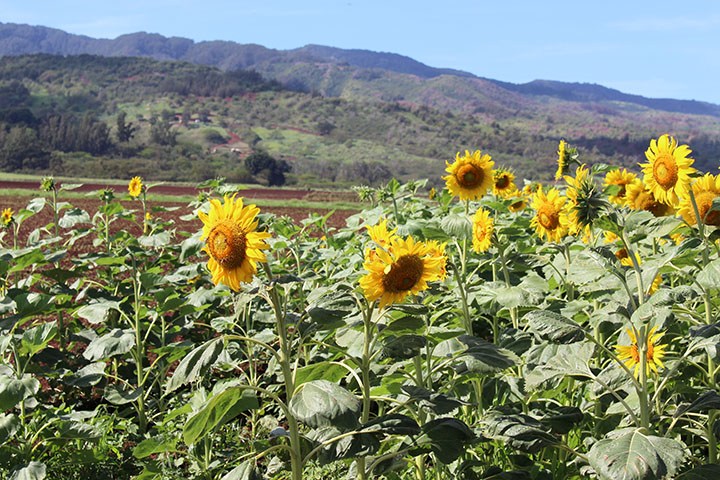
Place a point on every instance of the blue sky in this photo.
(662, 49)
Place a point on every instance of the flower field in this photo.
(497, 329)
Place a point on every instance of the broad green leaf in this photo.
(33, 471)
(519, 431)
(403, 347)
(156, 240)
(117, 395)
(445, 437)
(37, 338)
(709, 400)
(74, 217)
(457, 226)
(74, 430)
(709, 276)
(476, 355)
(96, 312)
(557, 361)
(117, 342)
(245, 471)
(634, 454)
(190, 247)
(554, 327)
(195, 364)
(437, 403)
(14, 391)
(586, 267)
(87, 376)
(703, 472)
(9, 424)
(561, 419)
(219, 410)
(394, 424)
(321, 403)
(332, 372)
(150, 446)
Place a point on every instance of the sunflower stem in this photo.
(636, 268)
(642, 345)
(296, 458)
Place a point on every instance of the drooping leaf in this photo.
(13, 390)
(554, 327)
(445, 437)
(74, 217)
(32, 471)
(403, 346)
(9, 424)
(476, 355)
(321, 403)
(219, 410)
(703, 472)
(437, 403)
(709, 400)
(37, 338)
(87, 376)
(195, 364)
(117, 342)
(150, 446)
(394, 424)
(119, 395)
(634, 454)
(96, 312)
(332, 372)
(709, 276)
(245, 471)
(561, 361)
(519, 431)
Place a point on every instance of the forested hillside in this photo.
(101, 116)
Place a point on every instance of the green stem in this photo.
(636, 268)
(642, 344)
(365, 374)
(139, 353)
(284, 359)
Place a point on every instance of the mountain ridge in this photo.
(305, 68)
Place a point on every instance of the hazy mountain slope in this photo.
(356, 72)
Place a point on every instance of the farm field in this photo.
(494, 329)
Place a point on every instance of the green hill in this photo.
(67, 114)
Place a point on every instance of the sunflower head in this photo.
(630, 354)
(551, 218)
(518, 201)
(586, 202)
(7, 216)
(667, 173)
(617, 181)
(638, 197)
(483, 228)
(503, 183)
(380, 234)
(47, 184)
(135, 187)
(705, 190)
(470, 175)
(432, 194)
(403, 269)
(232, 241)
(566, 156)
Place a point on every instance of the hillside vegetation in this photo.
(166, 120)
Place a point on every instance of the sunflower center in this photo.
(227, 244)
(665, 171)
(704, 202)
(403, 275)
(469, 176)
(635, 353)
(502, 182)
(548, 217)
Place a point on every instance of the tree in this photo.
(262, 164)
(125, 130)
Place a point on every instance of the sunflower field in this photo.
(496, 329)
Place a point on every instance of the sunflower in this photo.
(503, 183)
(564, 158)
(667, 173)
(705, 190)
(519, 202)
(638, 197)
(7, 216)
(437, 249)
(621, 179)
(630, 354)
(380, 234)
(483, 228)
(575, 183)
(471, 175)
(233, 242)
(551, 218)
(135, 187)
(403, 269)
